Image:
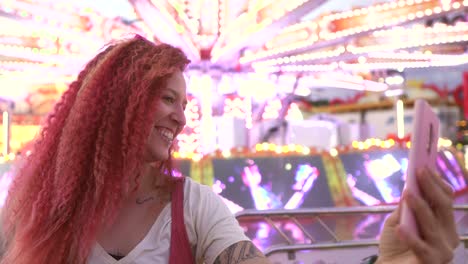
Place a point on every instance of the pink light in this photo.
(236, 107)
(189, 141)
(272, 109)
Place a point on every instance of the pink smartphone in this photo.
(423, 153)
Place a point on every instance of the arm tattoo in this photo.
(239, 252)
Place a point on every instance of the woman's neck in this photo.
(147, 189)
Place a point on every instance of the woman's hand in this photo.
(434, 216)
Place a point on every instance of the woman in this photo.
(97, 186)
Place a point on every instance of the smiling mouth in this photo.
(165, 134)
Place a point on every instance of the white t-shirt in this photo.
(211, 228)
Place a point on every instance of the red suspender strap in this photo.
(180, 253)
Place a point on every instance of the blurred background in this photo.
(293, 105)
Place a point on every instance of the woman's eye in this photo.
(169, 99)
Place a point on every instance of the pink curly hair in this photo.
(87, 155)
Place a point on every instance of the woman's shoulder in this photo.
(194, 189)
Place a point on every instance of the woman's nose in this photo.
(179, 116)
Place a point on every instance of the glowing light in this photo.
(189, 140)
(333, 152)
(444, 143)
(394, 80)
(226, 153)
(196, 157)
(235, 107)
(362, 59)
(278, 150)
(400, 119)
(258, 147)
(302, 57)
(294, 113)
(6, 133)
(272, 109)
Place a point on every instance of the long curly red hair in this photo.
(89, 151)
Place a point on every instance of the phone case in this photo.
(423, 153)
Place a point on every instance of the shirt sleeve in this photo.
(215, 226)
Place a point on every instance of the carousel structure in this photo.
(311, 99)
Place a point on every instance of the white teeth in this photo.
(166, 133)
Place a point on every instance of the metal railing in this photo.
(272, 217)
(336, 245)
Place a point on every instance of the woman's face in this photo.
(169, 119)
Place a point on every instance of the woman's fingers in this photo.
(439, 196)
(427, 222)
(433, 192)
(394, 219)
(441, 183)
(420, 249)
(425, 252)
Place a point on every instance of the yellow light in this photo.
(333, 152)
(367, 144)
(306, 151)
(6, 132)
(362, 59)
(196, 157)
(278, 149)
(400, 111)
(388, 143)
(272, 147)
(226, 153)
(361, 145)
(258, 147)
(445, 143)
(355, 144)
(377, 142)
(299, 149)
(448, 142)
